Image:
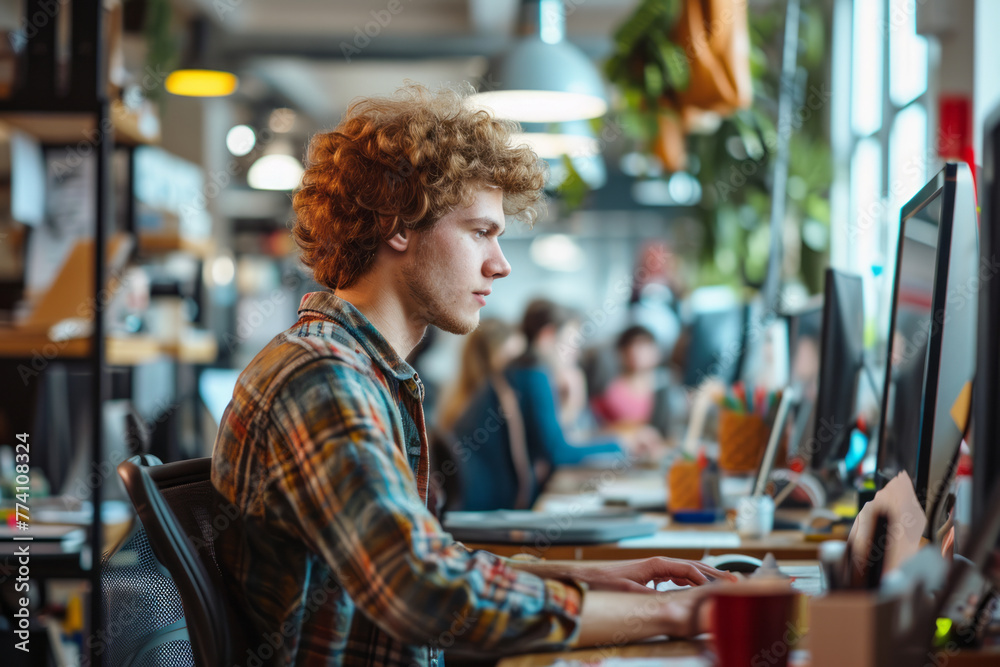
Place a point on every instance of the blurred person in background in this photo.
(629, 401)
(487, 352)
(657, 292)
(552, 332)
(549, 368)
(496, 474)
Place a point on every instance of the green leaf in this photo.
(654, 80)
(818, 208)
(673, 62)
(752, 143)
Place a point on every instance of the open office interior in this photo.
(513, 332)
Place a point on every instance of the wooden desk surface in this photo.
(983, 657)
(784, 544)
(652, 649)
(575, 490)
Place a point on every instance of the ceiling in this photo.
(317, 55)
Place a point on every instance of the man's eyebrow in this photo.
(490, 223)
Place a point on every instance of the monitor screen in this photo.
(804, 329)
(716, 346)
(932, 337)
(841, 355)
(986, 399)
(911, 321)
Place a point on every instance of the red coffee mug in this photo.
(751, 623)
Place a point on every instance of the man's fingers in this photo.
(693, 574)
(714, 573)
(634, 587)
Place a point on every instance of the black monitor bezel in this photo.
(820, 460)
(943, 184)
(986, 459)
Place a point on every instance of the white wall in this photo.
(987, 78)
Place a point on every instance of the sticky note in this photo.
(960, 409)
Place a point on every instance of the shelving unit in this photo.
(81, 115)
(71, 128)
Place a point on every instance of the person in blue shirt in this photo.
(521, 405)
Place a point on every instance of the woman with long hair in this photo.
(493, 476)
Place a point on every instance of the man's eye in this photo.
(481, 233)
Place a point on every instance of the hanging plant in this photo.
(668, 76)
(650, 70)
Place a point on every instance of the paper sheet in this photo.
(684, 539)
(906, 524)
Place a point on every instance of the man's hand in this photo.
(621, 618)
(630, 575)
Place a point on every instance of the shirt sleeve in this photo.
(545, 436)
(350, 495)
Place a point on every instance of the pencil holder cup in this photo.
(742, 441)
(684, 486)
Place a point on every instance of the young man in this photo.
(335, 557)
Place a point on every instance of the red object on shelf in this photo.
(954, 137)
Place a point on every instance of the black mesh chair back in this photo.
(177, 504)
(144, 624)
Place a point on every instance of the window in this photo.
(880, 139)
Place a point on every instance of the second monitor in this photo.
(932, 343)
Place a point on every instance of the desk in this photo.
(784, 544)
(573, 490)
(653, 649)
(984, 657)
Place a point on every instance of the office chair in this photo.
(180, 614)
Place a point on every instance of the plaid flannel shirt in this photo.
(334, 556)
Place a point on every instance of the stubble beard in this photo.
(431, 306)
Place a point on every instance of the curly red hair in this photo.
(403, 162)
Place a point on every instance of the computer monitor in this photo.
(931, 334)
(804, 328)
(716, 345)
(986, 396)
(841, 354)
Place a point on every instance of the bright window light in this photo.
(557, 252)
(908, 156)
(866, 68)
(907, 53)
(869, 209)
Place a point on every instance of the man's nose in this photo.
(497, 266)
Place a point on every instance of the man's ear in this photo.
(400, 240)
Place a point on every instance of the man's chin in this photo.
(460, 326)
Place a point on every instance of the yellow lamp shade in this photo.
(201, 83)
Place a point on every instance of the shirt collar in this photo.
(344, 313)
